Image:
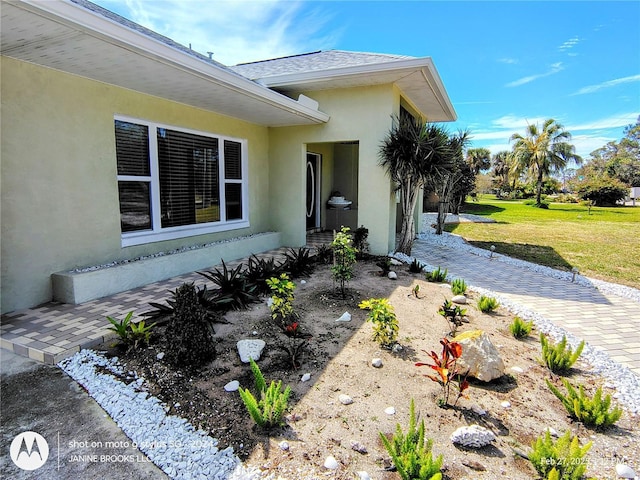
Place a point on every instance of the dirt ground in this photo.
(339, 361)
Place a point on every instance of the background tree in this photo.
(411, 154)
(501, 168)
(542, 151)
(621, 160)
(478, 159)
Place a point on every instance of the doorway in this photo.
(312, 206)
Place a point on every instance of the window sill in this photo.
(142, 238)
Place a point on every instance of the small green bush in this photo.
(282, 294)
(299, 263)
(411, 454)
(324, 254)
(454, 315)
(271, 404)
(519, 328)
(259, 270)
(131, 334)
(416, 266)
(344, 256)
(592, 412)
(487, 304)
(437, 275)
(559, 358)
(385, 324)
(234, 291)
(565, 456)
(458, 286)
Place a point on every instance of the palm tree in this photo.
(501, 169)
(479, 159)
(543, 151)
(411, 154)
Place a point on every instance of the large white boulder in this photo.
(479, 356)
(250, 349)
(472, 436)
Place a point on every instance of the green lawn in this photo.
(604, 244)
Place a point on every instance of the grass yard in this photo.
(604, 244)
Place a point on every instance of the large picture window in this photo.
(174, 183)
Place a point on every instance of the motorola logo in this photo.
(29, 450)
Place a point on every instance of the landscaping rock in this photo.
(331, 463)
(460, 299)
(517, 369)
(624, 471)
(506, 404)
(358, 447)
(345, 399)
(363, 475)
(284, 446)
(376, 362)
(390, 411)
(160, 356)
(345, 317)
(306, 377)
(479, 356)
(392, 275)
(553, 432)
(232, 386)
(472, 464)
(395, 262)
(477, 409)
(473, 436)
(250, 349)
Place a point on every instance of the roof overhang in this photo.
(417, 78)
(65, 36)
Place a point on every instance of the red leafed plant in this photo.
(448, 372)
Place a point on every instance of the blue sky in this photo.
(504, 64)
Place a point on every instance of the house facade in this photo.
(118, 143)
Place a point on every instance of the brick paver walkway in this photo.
(605, 321)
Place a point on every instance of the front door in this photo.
(312, 206)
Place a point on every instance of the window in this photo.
(174, 183)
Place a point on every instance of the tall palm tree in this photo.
(501, 169)
(478, 159)
(411, 154)
(542, 151)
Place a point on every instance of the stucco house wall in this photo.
(60, 207)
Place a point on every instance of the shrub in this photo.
(344, 255)
(559, 358)
(487, 304)
(385, 324)
(131, 333)
(453, 314)
(593, 412)
(360, 243)
(324, 254)
(410, 453)
(163, 313)
(458, 286)
(299, 263)
(268, 409)
(234, 291)
(437, 275)
(189, 333)
(565, 456)
(448, 371)
(602, 190)
(385, 265)
(260, 269)
(416, 266)
(519, 328)
(282, 295)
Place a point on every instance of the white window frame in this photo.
(159, 234)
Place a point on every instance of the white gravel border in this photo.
(619, 377)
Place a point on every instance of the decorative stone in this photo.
(390, 411)
(345, 399)
(624, 471)
(553, 432)
(396, 348)
(392, 275)
(473, 436)
(472, 464)
(345, 317)
(269, 302)
(478, 410)
(303, 282)
(479, 356)
(395, 262)
(358, 447)
(460, 299)
(331, 463)
(376, 362)
(232, 386)
(250, 349)
(506, 404)
(363, 475)
(517, 370)
(160, 356)
(284, 446)
(306, 377)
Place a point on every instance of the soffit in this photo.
(104, 50)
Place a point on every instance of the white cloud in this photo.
(553, 69)
(607, 84)
(508, 61)
(235, 31)
(585, 144)
(569, 44)
(615, 121)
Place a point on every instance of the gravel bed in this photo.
(619, 377)
(170, 442)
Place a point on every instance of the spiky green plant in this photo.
(416, 266)
(592, 412)
(487, 304)
(519, 328)
(385, 323)
(411, 454)
(121, 327)
(437, 276)
(559, 358)
(271, 403)
(140, 333)
(565, 455)
(458, 286)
